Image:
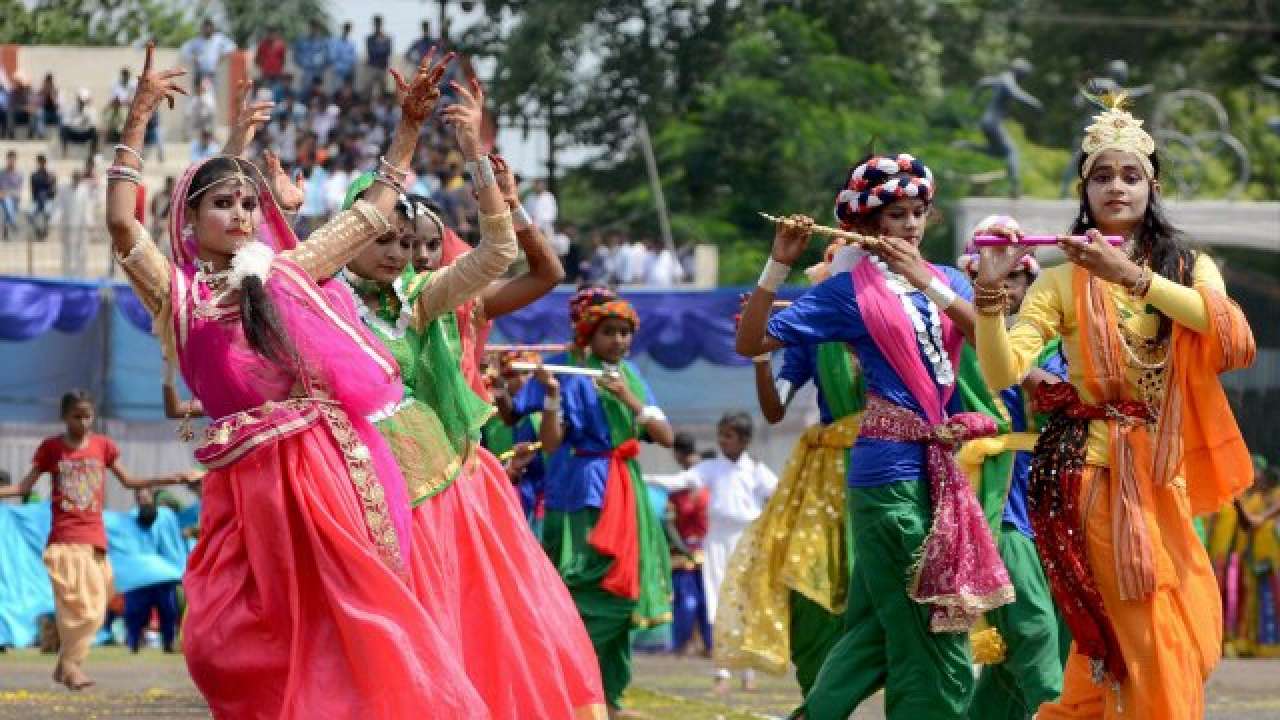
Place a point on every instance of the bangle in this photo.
(381, 177)
(551, 404)
(520, 218)
(481, 172)
(990, 301)
(1142, 284)
(650, 412)
(762, 358)
(939, 292)
(124, 172)
(390, 169)
(126, 149)
(773, 275)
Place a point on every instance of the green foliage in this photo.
(762, 105)
(249, 19)
(90, 22)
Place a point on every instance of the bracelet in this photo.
(762, 358)
(550, 404)
(392, 169)
(124, 172)
(939, 292)
(125, 148)
(1142, 284)
(481, 172)
(381, 177)
(520, 218)
(990, 301)
(773, 275)
(650, 412)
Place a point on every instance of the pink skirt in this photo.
(293, 613)
(483, 576)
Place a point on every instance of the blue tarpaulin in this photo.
(138, 558)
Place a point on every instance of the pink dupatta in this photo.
(959, 570)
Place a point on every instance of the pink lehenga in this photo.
(300, 603)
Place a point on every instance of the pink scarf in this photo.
(959, 570)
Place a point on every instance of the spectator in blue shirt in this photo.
(311, 55)
(377, 55)
(342, 56)
(419, 48)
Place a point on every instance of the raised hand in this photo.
(418, 98)
(289, 193)
(791, 237)
(154, 86)
(250, 115)
(467, 116)
(548, 380)
(506, 180)
(995, 263)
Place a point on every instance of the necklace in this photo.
(375, 320)
(928, 330)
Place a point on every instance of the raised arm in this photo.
(147, 270)
(789, 241)
(1006, 354)
(545, 270)
(551, 430)
(472, 273)
(350, 231)
(250, 115)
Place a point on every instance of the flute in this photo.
(542, 348)
(849, 237)
(1002, 241)
(558, 369)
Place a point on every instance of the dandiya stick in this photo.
(512, 453)
(558, 369)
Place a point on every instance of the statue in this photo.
(1115, 81)
(1005, 89)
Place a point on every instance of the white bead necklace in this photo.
(928, 331)
(372, 319)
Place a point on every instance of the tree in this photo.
(86, 22)
(248, 18)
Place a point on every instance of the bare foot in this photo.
(75, 679)
(57, 673)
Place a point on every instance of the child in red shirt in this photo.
(76, 555)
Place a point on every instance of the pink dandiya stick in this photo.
(1001, 241)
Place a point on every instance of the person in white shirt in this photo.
(739, 487)
(543, 209)
(663, 266)
(123, 88)
(204, 51)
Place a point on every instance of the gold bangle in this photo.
(1142, 284)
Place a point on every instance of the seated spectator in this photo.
(151, 137)
(270, 58)
(21, 107)
(113, 119)
(311, 55)
(48, 106)
(124, 87)
(204, 52)
(345, 98)
(342, 57)
(204, 147)
(80, 127)
(663, 268)
(44, 188)
(315, 201)
(10, 194)
(202, 110)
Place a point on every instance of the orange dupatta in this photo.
(1196, 434)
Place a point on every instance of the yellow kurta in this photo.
(1170, 638)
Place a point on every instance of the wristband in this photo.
(520, 218)
(762, 358)
(481, 172)
(773, 275)
(650, 412)
(551, 404)
(940, 293)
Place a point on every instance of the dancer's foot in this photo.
(75, 679)
(57, 673)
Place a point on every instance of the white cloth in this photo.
(664, 270)
(543, 210)
(206, 52)
(739, 490)
(631, 261)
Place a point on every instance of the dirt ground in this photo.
(154, 685)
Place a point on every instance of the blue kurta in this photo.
(575, 481)
(829, 313)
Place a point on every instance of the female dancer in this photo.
(479, 570)
(792, 565)
(299, 604)
(599, 528)
(1141, 437)
(926, 563)
(1245, 549)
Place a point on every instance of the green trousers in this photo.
(814, 631)
(1031, 673)
(886, 641)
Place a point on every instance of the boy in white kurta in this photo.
(739, 487)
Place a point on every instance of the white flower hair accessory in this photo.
(252, 260)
